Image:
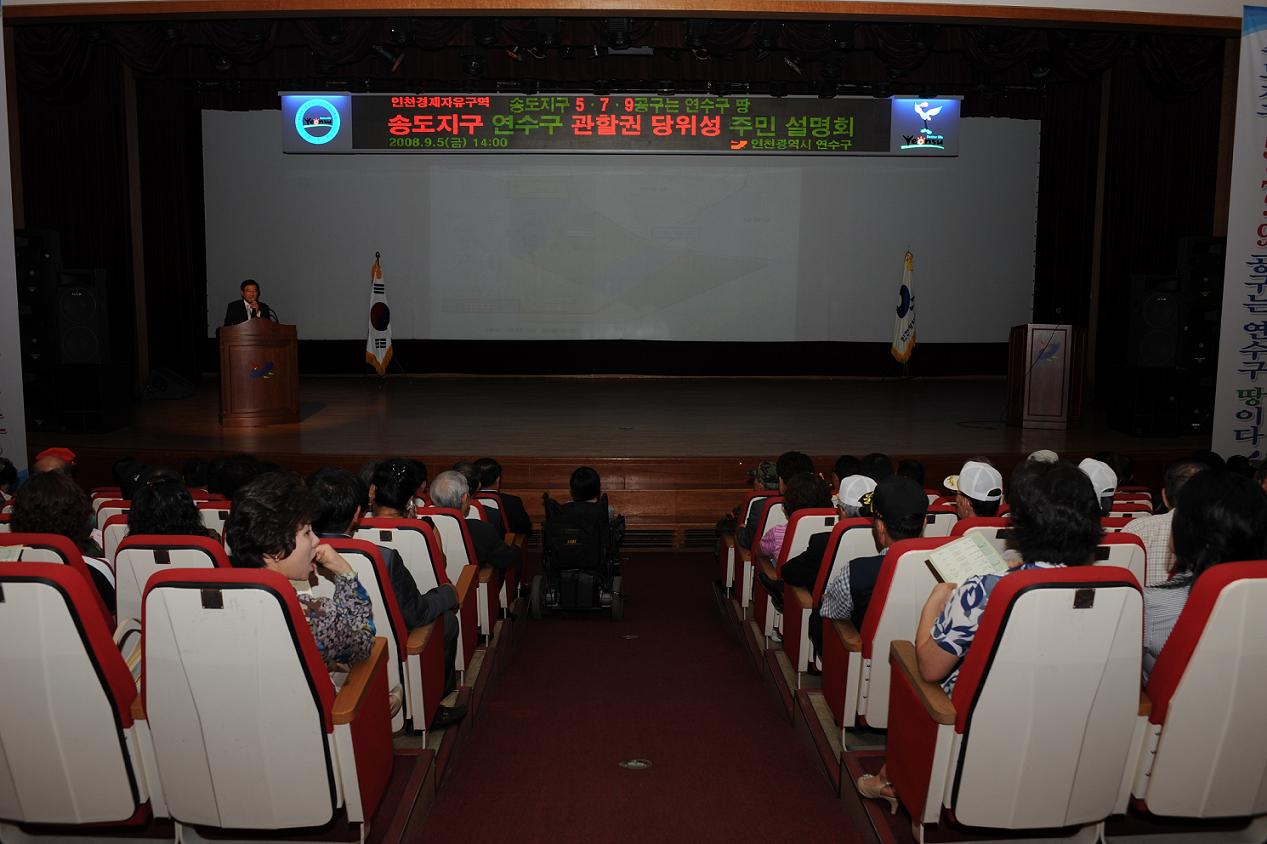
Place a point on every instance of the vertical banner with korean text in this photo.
(12, 414)
(1242, 373)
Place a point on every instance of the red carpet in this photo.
(576, 698)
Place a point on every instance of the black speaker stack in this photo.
(70, 382)
(1164, 385)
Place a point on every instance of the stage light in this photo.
(472, 65)
(514, 54)
(760, 55)
(223, 63)
(566, 52)
(485, 30)
(1040, 65)
(793, 63)
(393, 59)
(538, 53)
(617, 30)
(701, 53)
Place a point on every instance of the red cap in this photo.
(57, 451)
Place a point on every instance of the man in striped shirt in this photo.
(1155, 530)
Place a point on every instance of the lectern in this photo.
(259, 383)
(1044, 376)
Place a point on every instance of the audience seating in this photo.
(140, 557)
(849, 540)
(415, 658)
(248, 732)
(420, 549)
(1132, 493)
(51, 548)
(1202, 729)
(1133, 509)
(4, 523)
(113, 507)
(940, 521)
(114, 532)
(1113, 524)
(1039, 731)
(492, 504)
(995, 529)
(102, 494)
(771, 514)
(803, 525)
(933, 495)
(1125, 550)
(451, 528)
(855, 687)
(214, 514)
(73, 753)
(730, 546)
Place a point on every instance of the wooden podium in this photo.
(259, 369)
(1044, 376)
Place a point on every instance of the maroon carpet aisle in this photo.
(577, 698)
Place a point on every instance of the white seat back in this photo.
(939, 524)
(449, 528)
(996, 536)
(64, 701)
(140, 557)
(798, 535)
(236, 712)
(856, 542)
(1047, 735)
(111, 508)
(111, 535)
(1126, 555)
(413, 549)
(214, 514)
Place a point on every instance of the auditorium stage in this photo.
(573, 419)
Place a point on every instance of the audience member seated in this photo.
(450, 490)
(51, 502)
(1055, 522)
(424, 477)
(162, 505)
(898, 509)
(467, 469)
(978, 489)
(876, 466)
(227, 475)
(853, 489)
(765, 478)
(789, 465)
(270, 527)
(1220, 517)
(805, 491)
(845, 465)
(491, 481)
(196, 473)
(1104, 481)
(912, 469)
(1123, 467)
(391, 488)
(342, 496)
(56, 459)
(8, 480)
(1154, 531)
(127, 473)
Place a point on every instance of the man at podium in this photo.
(248, 307)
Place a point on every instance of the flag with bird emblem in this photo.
(378, 347)
(904, 323)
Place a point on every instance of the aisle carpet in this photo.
(578, 697)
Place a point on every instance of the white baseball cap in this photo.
(853, 488)
(1043, 455)
(979, 481)
(1102, 477)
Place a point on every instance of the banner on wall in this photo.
(1242, 373)
(12, 413)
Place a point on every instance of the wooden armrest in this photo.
(1145, 704)
(418, 638)
(803, 598)
(936, 704)
(745, 554)
(728, 540)
(350, 697)
(515, 539)
(486, 574)
(768, 568)
(138, 709)
(466, 580)
(847, 634)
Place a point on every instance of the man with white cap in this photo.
(978, 489)
(1103, 479)
(848, 498)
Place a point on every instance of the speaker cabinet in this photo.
(82, 327)
(1153, 332)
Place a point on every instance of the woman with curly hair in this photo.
(270, 527)
(51, 502)
(163, 506)
(1055, 523)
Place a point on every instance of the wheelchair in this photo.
(580, 560)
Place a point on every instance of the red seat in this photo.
(1125, 550)
(114, 532)
(459, 550)
(1113, 524)
(112, 507)
(770, 514)
(140, 557)
(801, 528)
(51, 548)
(995, 528)
(940, 521)
(730, 548)
(492, 504)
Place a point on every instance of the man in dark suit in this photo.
(449, 489)
(248, 307)
(491, 481)
(342, 495)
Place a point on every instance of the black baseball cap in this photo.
(895, 499)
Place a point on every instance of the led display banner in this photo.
(326, 123)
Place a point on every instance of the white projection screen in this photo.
(639, 247)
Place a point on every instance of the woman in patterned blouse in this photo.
(1055, 523)
(270, 526)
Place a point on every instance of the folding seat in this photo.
(1133, 493)
(4, 523)
(1125, 550)
(114, 532)
(1202, 728)
(102, 494)
(420, 549)
(1133, 509)
(1115, 523)
(214, 514)
(492, 504)
(249, 735)
(933, 495)
(197, 493)
(729, 546)
(771, 514)
(849, 540)
(74, 755)
(940, 521)
(1038, 732)
(804, 525)
(995, 529)
(855, 687)
(140, 557)
(476, 511)
(113, 507)
(415, 658)
(455, 539)
(51, 548)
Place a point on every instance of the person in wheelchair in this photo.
(580, 550)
